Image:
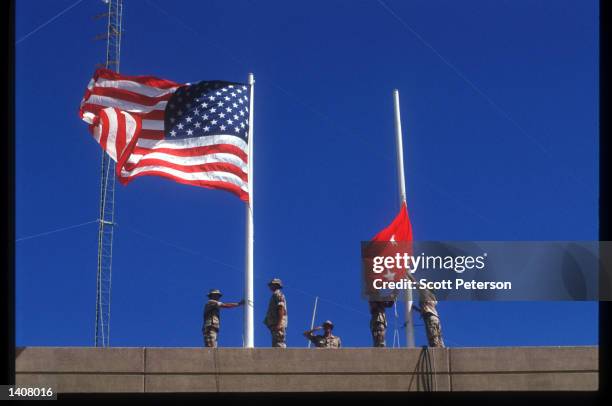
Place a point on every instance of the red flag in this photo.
(395, 239)
(399, 230)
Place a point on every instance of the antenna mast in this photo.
(107, 190)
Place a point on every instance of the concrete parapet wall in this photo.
(86, 369)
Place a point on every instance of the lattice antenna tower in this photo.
(106, 218)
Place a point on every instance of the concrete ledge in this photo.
(180, 360)
(290, 383)
(524, 359)
(79, 359)
(83, 383)
(84, 369)
(524, 368)
(327, 382)
(550, 381)
(181, 383)
(289, 361)
(291, 369)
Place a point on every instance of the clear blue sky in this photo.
(499, 109)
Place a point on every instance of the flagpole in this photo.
(314, 313)
(249, 332)
(402, 192)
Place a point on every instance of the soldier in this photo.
(276, 316)
(427, 303)
(210, 329)
(378, 322)
(326, 340)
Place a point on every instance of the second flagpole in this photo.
(249, 330)
(402, 192)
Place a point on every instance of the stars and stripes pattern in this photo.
(195, 134)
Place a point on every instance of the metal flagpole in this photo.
(402, 189)
(314, 313)
(249, 333)
(396, 337)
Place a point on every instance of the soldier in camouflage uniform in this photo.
(427, 303)
(378, 322)
(210, 329)
(276, 316)
(326, 340)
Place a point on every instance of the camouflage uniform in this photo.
(210, 329)
(321, 341)
(378, 322)
(271, 320)
(427, 302)
(210, 337)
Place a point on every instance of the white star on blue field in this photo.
(208, 108)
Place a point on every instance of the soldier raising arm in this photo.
(212, 318)
(326, 340)
(230, 305)
(309, 333)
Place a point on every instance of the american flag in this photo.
(195, 134)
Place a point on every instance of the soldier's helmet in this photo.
(328, 323)
(276, 282)
(214, 292)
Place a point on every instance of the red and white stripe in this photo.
(116, 132)
(126, 117)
